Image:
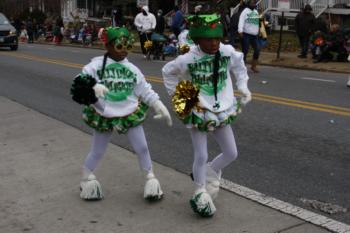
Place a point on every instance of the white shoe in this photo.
(152, 191)
(202, 203)
(213, 182)
(348, 84)
(91, 188)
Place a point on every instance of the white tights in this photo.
(137, 139)
(226, 140)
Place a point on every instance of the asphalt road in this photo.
(293, 138)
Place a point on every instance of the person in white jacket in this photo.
(145, 23)
(209, 66)
(117, 97)
(248, 29)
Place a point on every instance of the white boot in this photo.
(213, 182)
(90, 188)
(348, 84)
(153, 191)
(202, 203)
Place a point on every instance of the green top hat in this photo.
(205, 26)
(119, 35)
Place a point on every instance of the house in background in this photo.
(335, 11)
(103, 8)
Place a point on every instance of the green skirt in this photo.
(206, 121)
(119, 124)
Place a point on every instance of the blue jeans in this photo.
(248, 40)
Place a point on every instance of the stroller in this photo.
(158, 42)
(171, 46)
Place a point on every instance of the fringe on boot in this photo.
(152, 191)
(91, 189)
(202, 203)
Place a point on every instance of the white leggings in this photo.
(226, 140)
(137, 139)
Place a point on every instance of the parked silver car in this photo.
(8, 34)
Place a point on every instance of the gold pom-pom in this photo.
(148, 44)
(184, 48)
(185, 98)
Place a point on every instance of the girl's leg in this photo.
(226, 140)
(98, 149)
(199, 143)
(137, 139)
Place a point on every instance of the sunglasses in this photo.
(119, 47)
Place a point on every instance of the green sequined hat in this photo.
(205, 26)
(119, 34)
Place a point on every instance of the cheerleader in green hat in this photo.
(206, 72)
(116, 98)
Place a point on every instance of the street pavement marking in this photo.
(285, 207)
(46, 60)
(318, 79)
(256, 96)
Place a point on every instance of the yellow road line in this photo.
(45, 60)
(301, 102)
(343, 113)
(256, 96)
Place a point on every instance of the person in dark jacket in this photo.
(30, 30)
(117, 18)
(177, 21)
(160, 26)
(233, 28)
(304, 26)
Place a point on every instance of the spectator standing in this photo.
(177, 21)
(23, 35)
(30, 30)
(145, 22)
(58, 31)
(117, 18)
(160, 22)
(234, 19)
(304, 26)
(248, 29)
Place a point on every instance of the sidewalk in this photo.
(287, 60)
(40, 169)
(291, 60)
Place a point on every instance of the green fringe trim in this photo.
(204, 126)
(120, 124)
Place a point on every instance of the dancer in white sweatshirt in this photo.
(117, 97)
(207, 67)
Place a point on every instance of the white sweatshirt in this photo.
(145, 23)
(126, 86)
(249, 22)
(197, 67)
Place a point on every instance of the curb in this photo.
(285, 207)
